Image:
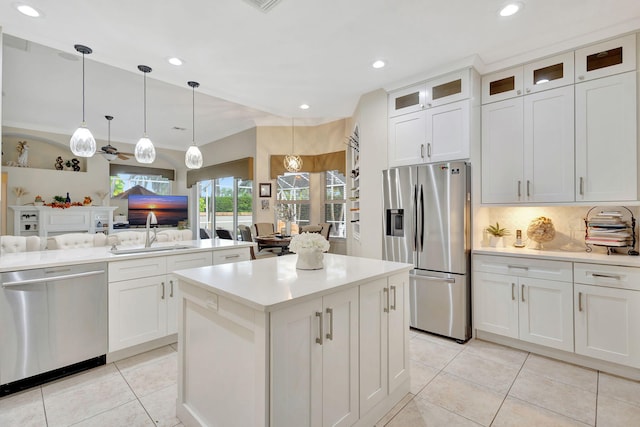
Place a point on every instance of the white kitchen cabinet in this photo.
(384, 356)
(514, 297)
(315, 360)
(502, 151)
(449, 88)
(407, 100)
(605, 59)
(548, 73)
(447, 135)
(549, 146)
(407, 137)
(143, 297)
(607, 313)
(606, 139)
(528, 148)
(502, 85)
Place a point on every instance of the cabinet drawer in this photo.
(611, 276)
(137, 268)
(231, 255)
(191, 260)
(524, 267)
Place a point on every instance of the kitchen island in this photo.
(264, 344)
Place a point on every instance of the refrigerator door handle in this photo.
(415, 218)
(421, 218)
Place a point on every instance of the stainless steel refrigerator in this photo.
(427, 223)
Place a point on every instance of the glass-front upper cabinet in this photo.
(502, 85)
(407, 100)
(548, 73)
(606, 58)
(449, 88)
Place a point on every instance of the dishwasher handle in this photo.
(52, 279)
(434, 278)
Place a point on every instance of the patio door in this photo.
(224, 203)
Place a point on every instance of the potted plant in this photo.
(497, 234)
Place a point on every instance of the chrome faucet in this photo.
(151, 219)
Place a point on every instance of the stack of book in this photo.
(608, 229)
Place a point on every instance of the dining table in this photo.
(274, 241)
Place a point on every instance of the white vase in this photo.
(287, 228)
(496, 242)
(310, 260)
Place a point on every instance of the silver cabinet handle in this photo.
(581, 186)
(52, 279)
(579, 301)
(606, 276)
(319, 340)
(422, 151)
(437, 279)
(330, 334)
(232, 256)
(386, 297)
(393, 289)
(513, 291)
(171, 291)
(528, 188)
(162, 297)
(522, 292)
(523, 267)
(519, 187)
(429, 149)
(519, 92)
(580, 77)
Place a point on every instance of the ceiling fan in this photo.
(109, 151)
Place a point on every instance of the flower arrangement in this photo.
(308, 242)
(38, 199)
(20, 191)
(541, 230)
(496, 231)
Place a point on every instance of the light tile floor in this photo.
(478, 383)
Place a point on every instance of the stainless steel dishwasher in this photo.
(53, 322)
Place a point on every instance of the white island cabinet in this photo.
(264, 344)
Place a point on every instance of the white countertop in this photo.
(59, 257)
(270, 283)
(559, 255)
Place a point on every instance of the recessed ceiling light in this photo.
(304, 107)
(379, 64)
(511, 9)
(27, 10)
(175, 61)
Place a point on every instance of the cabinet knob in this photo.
(519, 92)
(580, 77)
(429, 104)
(528, 90)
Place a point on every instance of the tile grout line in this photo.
(134, 393)
(595, 420)
(44, 407)
(509, 390)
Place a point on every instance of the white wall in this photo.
(371, 117)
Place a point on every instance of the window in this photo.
(123, 182)
(294, 201)
(335, 203)
(225, 203)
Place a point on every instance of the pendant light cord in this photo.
(292, 139)
(193, 115)
(83, 87)
(145, 104)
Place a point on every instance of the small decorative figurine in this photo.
(59, 163)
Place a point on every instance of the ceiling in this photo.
(255, 67)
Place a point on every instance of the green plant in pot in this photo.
(496, 235)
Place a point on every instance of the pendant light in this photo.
(145, 152)
(193, 156)
(108, 155)
(292, 162)
(82, 142)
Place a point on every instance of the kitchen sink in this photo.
(138, 250)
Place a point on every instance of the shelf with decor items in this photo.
(354, 198)
(43, 221)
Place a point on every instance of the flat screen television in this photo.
(168, 209)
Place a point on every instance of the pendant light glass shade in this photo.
(292, 162)
(193, 156)
(145, 152)
(82, 142)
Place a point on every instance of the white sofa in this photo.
(76, 240)
(174, 235)
(13, 244)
